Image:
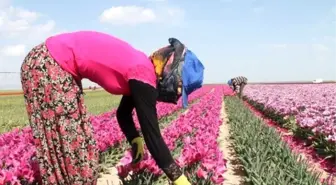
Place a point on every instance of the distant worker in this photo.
(238, 82)
(51, 77)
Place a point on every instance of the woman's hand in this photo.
(137, 150)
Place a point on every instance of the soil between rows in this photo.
(235, 173)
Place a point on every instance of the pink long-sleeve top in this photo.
(101, 58)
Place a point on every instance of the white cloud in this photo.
(130, 15)
(24, 14)
(20, 30)
(18, 23)
(134, 15)
(14, 50)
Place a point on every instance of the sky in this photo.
(264, 40)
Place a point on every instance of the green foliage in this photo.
(13, 112)
(146, 178)
(265, 158)
(112, 156)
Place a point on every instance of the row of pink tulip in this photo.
(198, 129)
(202, 147)
(107, 130)
(149, 162)
(17, 150)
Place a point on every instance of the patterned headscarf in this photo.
(167, 58)
(160, 58)
(168, 63)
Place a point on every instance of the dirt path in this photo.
(110, 179)
(234, 174)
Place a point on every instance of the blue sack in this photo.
(192, 75)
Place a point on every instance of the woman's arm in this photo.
(144, 97)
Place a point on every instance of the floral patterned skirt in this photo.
(63, 135)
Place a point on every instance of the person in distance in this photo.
(238, 82)
(51, 77)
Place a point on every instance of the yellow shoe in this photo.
(137, 150)
(182, 180)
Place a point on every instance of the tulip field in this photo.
(306, 113)
(280, 135)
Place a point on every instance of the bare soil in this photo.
(110, 179)
(235, 173)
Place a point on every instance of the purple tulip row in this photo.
(312, 105)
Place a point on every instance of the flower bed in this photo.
(107, 130)
(17, 150)
(309, 111)
(194, 146)
(326, 167)
(265, 158)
